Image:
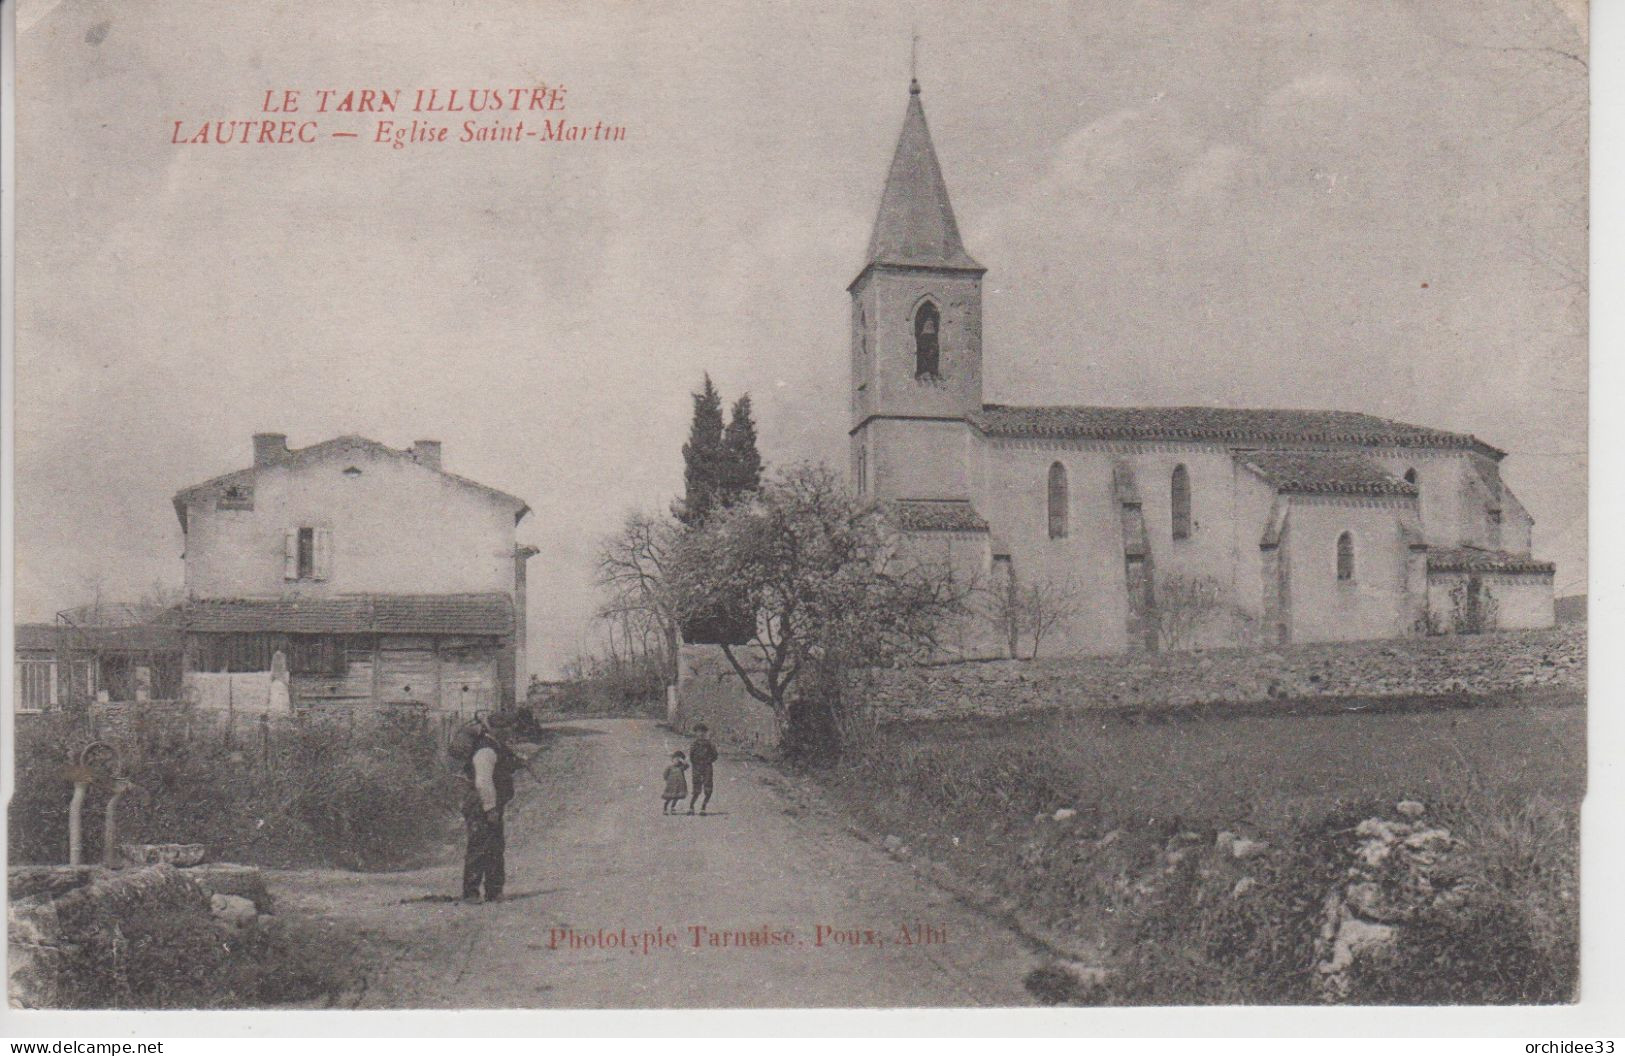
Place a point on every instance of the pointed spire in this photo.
(916, 223)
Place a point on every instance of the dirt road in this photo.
(761, 904)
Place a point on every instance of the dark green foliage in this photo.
(365, 791)
(703, 458)
(183, 959)
(742, 462)
(721, 466)
(1515, 938)
(621, 686)
(1053, 985)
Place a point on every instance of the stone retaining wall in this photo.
(53, 911)
(709, 691)
(1437, 666)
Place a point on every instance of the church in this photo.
(1159, 527)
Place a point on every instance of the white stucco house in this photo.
(378, 576)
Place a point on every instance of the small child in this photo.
(676, 783)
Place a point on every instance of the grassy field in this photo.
(1264, 770)
(1507, 773)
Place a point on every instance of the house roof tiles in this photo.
(335, 448)
(478, 614)
(141, 638)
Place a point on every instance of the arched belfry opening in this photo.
(927, 322)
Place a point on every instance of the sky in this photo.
(1374, 207)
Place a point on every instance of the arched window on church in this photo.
(1410, 476)
(1057, 501)
(926, 322)
(1345, 557)
(1181, 496)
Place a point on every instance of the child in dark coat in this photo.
(676, 783)
(702, 753)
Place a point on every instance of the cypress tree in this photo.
(742, 463)
(703, 458)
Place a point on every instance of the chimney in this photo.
(270, 448)
(427, 452)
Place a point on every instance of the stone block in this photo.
(182, 854)
(1245, 848)
(233, 910)
(223, 878)
(47, 881)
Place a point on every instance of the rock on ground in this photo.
(234, 910)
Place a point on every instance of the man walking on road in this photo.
(489, 771)
(701, 755)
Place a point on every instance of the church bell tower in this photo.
(916, 334)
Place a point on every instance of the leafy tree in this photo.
(829, 591)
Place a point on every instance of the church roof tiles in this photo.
(1322, 473)
(936, 515)
(1225, 425)
(1474, 559)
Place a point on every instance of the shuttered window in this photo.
(308, 553)
(1345, 557)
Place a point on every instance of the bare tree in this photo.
(1032, 611)
(1183, 605)
(634, 568)
(1047, 606)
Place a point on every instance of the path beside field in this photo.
(589, 853)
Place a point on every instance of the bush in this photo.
(1194, 942)
(37, 816)
(183, 959)
(1515, 938)
(1133, 873)
(363, 791)
(593, 686)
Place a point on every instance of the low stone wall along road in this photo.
(762, 904)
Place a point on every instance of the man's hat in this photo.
(702, 728)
